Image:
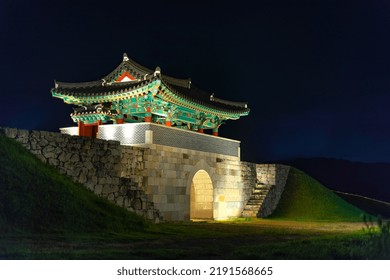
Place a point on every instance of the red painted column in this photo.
(168, 123)
(88, 130)
(148, 115)
(94, 131)
(120, 121)
(215, 131)
(200, 130)
(99, 122)
(81, 128)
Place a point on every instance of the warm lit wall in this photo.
(202, 196)
(169, 173)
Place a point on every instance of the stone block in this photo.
(89, 185)
(48, 149)
(120, 201)
(111, 197)
(115, 152)
(106, 189)
(137, 204)
(88, 164)
(82, 178)
(160, 198)
(171, 198)
(53, 162)
(74, 157)
(102, 180)
(43, 142)
(10, 132)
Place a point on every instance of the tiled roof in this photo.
(84, 90)
(180, 87)
(206, 99)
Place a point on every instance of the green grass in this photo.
(36, 198)
(255, 239)
(306, 199)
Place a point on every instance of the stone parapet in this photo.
(149, 133)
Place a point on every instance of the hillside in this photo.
(36, 198)
(366, 179)
(306, 199)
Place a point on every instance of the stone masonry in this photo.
(94, 163)
(156, 181)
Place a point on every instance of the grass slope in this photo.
(36, 198)
(306, 199)
(366, 179)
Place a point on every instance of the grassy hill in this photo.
(306, 199)
(36, 198)
(366, 179)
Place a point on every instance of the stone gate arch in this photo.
(201, 196)
(200, 188)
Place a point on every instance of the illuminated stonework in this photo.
(158, 181)
(202, 197)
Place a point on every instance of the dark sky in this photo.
(315, 73)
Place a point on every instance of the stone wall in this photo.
(169, 174)
(97, 164)
(155, 181)
(275, 175)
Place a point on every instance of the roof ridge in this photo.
(77, 84)
(239, 104)
(234, 109)
(178, 82)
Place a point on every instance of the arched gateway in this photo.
(202, 196)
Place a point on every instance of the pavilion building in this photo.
(134, 94)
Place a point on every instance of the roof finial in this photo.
(157, 71)
(125, 58)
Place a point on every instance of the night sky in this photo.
(316, 74)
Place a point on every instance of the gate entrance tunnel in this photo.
(201, 204)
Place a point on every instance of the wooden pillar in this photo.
(168, 123)
(94, 130)
(200, 130)
(81, 128)
(88, 130)
(215, 131)
(148, 115)
(120, 121)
